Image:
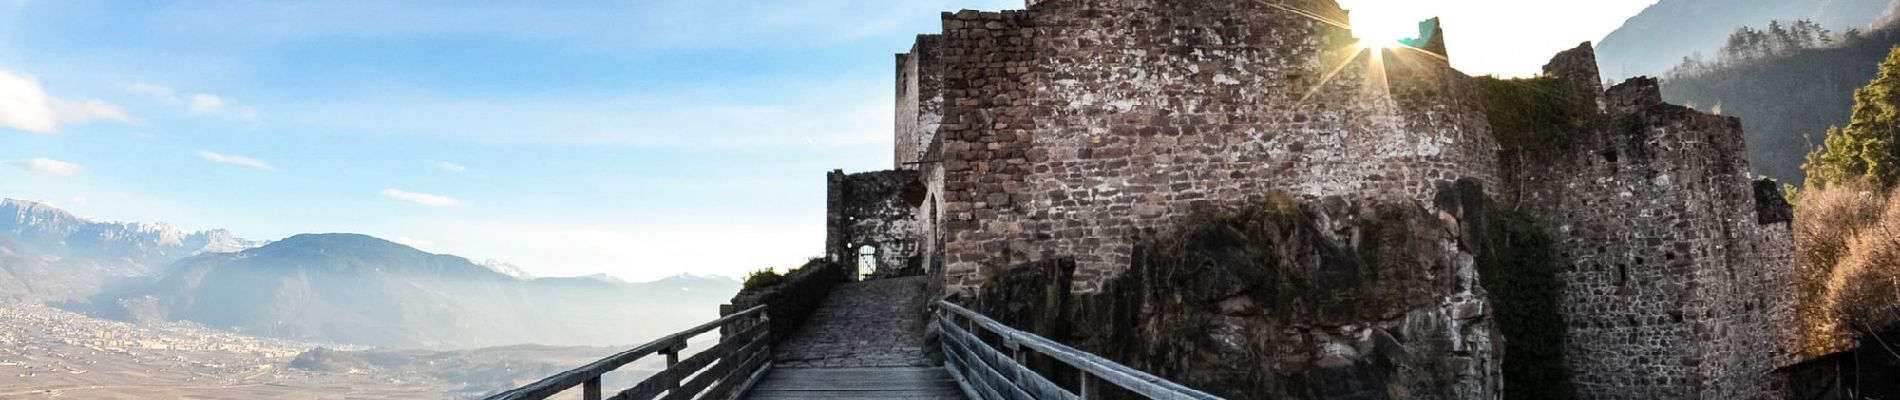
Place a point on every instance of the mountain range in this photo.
(334, 287)
(1660, 36)
(49, 254)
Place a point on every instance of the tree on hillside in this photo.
(1749, 44)
(1865, 149)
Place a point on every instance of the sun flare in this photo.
(1384, 28)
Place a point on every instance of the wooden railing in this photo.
(987, 373)
(737, 362)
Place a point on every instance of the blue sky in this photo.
(641, 139)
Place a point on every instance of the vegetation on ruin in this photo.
(762, 278)
(1535, 114)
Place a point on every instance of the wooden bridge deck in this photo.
(857, 383)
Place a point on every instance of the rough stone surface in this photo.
(868, 214)
(1327, 301)
(876, 323)
(1073, 125)
(1675, 285)
(919, 102)
(1073, 129)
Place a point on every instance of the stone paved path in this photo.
(866, 340)
(876, 323)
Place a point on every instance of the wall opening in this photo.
(867, 261)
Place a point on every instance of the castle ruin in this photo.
(1073, 128)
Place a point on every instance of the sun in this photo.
(1385, 28)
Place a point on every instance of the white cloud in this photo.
(449, 166)
(197, 103)
(829, 116)
(421, 198)
(206, 104)
(236, 160)
(24, 105)
(50, 167)
(92, 110)
(695, 244)
(157, 93)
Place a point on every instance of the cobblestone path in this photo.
(876, 323)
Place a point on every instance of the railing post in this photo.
(591, 389)
(1083, 389)
(1015, 350)
(672, 353)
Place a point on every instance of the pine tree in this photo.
(1866, 148)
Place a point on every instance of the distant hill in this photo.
(357, 289)
(53, 255)
(1783, 100)
(1658, 38)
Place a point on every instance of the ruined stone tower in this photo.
(1067, 130)
(1679, 282)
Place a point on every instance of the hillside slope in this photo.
(1785, 101)
(357, 289)
(1658, 38)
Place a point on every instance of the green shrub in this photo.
(762, 278)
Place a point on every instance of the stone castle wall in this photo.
(1073, 126)
(1670, 274)
(869, 209)
(1071, 129)
(919, 102)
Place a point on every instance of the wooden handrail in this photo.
(589, 375)
(965, 354)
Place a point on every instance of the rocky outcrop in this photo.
(1321, 300)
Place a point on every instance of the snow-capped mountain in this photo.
(78, 255)
(38, 224)
(505, 268)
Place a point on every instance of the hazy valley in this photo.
(135, 310)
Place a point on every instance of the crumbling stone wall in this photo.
(919, 102)
(1672, 277)
(870, 209)
(1072, 129)
(1073, 125)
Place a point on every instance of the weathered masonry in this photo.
(871, 220)
(1071, 129)
(1679, 276)
(1062, 130)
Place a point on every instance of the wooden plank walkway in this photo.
(865, 341)
(857, 383)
